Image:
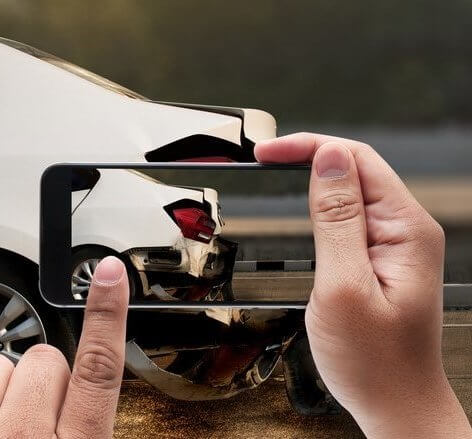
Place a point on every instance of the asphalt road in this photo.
(146, 413)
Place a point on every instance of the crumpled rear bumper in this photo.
(185, 264)
(172, 384)
(238, 354)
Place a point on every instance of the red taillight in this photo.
(194, 223)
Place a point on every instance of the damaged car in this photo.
(54, 111)
(168, 236)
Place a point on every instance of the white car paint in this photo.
(125, 210)
(49, 115)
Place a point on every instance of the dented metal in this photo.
(179, 387)
(172, 384)
(244, 353)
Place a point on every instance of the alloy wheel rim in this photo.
(20, 325)
(82, 276)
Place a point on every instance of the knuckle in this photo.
(337, 206)
(107, 304)
(363, 145)
(305, 134)
(98, 366)
(101, 314)
(359, 147)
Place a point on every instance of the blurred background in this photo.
(393, 74)
(310, 63)
(396, 75)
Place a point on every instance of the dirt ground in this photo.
(262, 413)
(265, 412)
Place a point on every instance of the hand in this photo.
(41, 399)
(375, 314)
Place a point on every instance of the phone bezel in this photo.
(55, 232)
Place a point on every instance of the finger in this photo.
(293, 148)
(6, 369)
(35, 393)
(337, 212)
(90, 404)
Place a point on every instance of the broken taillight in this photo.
(194, 223)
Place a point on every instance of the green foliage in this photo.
(317, 62)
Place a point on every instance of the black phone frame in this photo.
(55, 233)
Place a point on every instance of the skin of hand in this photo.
(40, 398)
(374, 319)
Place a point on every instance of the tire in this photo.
(58, 326)
(95, 253)
(305, 391)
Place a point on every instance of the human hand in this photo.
(41, 399)
(375, 314)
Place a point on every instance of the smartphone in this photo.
(193, 235)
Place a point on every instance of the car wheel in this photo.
(84, 264)
(26, 320)
(306, 392)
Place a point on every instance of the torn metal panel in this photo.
(174, 385)
(223, 315)
(195, 255)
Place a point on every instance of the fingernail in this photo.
(109, 271)
(332, 160)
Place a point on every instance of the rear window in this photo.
(72, 68)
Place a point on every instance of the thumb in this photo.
(338, 216)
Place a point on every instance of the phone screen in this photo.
(189, 234)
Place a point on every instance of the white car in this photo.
(53, 111)
(168, 236)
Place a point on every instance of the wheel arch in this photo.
(126, 260)
(95, 246)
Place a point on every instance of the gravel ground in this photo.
(265, 412)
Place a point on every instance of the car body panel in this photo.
(124, 210)
(49, 115)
